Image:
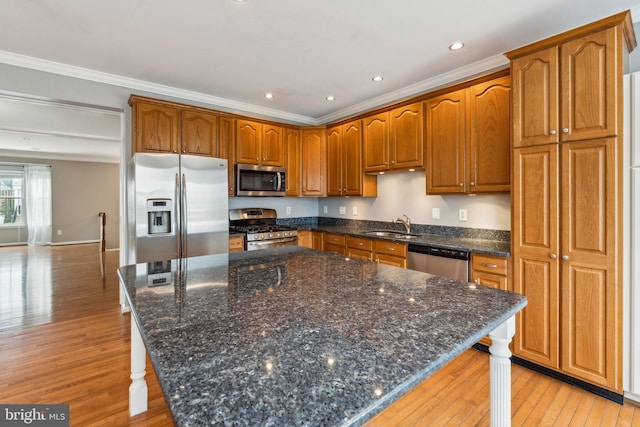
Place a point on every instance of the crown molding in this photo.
(18, 60)
(19, 154)
(463, 73)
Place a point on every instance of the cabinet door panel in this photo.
(272, 146)
(535, 98)
(589, 87)
(199, 133)
(314, 162)
(226, 140)
(445, 143)
(489, 142)
(248, 136)
(406, 143)
(334, 161)
(590, 326)
(292, 147)
(375, 137)
(537, 325)
(352, 159)
(156, 128)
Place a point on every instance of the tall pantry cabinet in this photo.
(567, 199)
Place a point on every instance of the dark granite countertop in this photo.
(480, 246)
(290, 336)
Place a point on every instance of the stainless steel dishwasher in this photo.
(450, 263)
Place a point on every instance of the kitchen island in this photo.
(293, 336)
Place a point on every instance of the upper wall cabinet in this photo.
(293, 161)
(567, 92)
(226, 138)
(259, 144)
(313, 161)
(164, 127)
(344, 156)
(393, 140)
(468, 139)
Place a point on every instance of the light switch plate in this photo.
(288, 210)
(343, 210)
(355, 210)
(435, 213)
(325, 209)
(462, 215)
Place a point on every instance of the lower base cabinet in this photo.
(236, 244)
(491, 271)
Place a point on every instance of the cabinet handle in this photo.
(565, 257)
(553, 256)
(360, 243)
(565, 130)
(390, 249)
(553, 132)
(487, 265)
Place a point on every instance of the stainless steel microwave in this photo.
(254, 180)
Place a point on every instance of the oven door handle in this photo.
(271, 242)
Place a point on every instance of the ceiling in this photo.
(229, 54)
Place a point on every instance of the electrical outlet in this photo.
(355, 210)
(325, 209)
(288, 210)
(343, 210)
(462, 215)
(59, 232)
(435, 213)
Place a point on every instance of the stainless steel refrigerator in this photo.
(181, 206)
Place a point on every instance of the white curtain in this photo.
(38, 204)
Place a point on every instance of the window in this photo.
(11, 196)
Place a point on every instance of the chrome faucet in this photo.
(404, 221)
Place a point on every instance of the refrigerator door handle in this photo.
(177, 214)
(183, 228)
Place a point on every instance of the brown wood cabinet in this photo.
(226, 140)
(236, 243)
(293, 161)
(393, 140)
(335, 243)
(314, 161)
(468, 139)
(566, 202)
(316, 240)
(259, 144)
(199, 132)
(155, 127)
(344, 158)
(491, 271)
(581, 103)
(360, 248)
(304, 238)
(390, 253)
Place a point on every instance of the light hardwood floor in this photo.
(64, 340)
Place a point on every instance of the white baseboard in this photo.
(632, 396)
(77, 242)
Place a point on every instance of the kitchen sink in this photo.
(391, 234)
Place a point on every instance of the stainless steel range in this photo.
(260, 228)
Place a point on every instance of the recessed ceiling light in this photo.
(239, 1)
(331, 98)
(456, 46)
(268, 95)
(377, 78)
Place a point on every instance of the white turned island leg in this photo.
(500, 373)
(138, 392)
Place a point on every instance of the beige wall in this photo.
(80, 190)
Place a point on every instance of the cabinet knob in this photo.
(258, 158)
(461, 184)
(472, 184)
(478, 281)
(565, 130)
(386, 163)
(553, 132)
(553, 256)
(393, 162)
(565, 257)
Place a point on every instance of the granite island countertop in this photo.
(293, 336)
(474, 245)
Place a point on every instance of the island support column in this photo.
(500, 373)
(138, 391)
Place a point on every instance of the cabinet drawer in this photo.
(337, 249)
(236, 244)
(391, 248)
(360, 243)
(359, 254)
(334, 239)
(489, 264)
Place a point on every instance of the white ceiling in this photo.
(229, 54)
